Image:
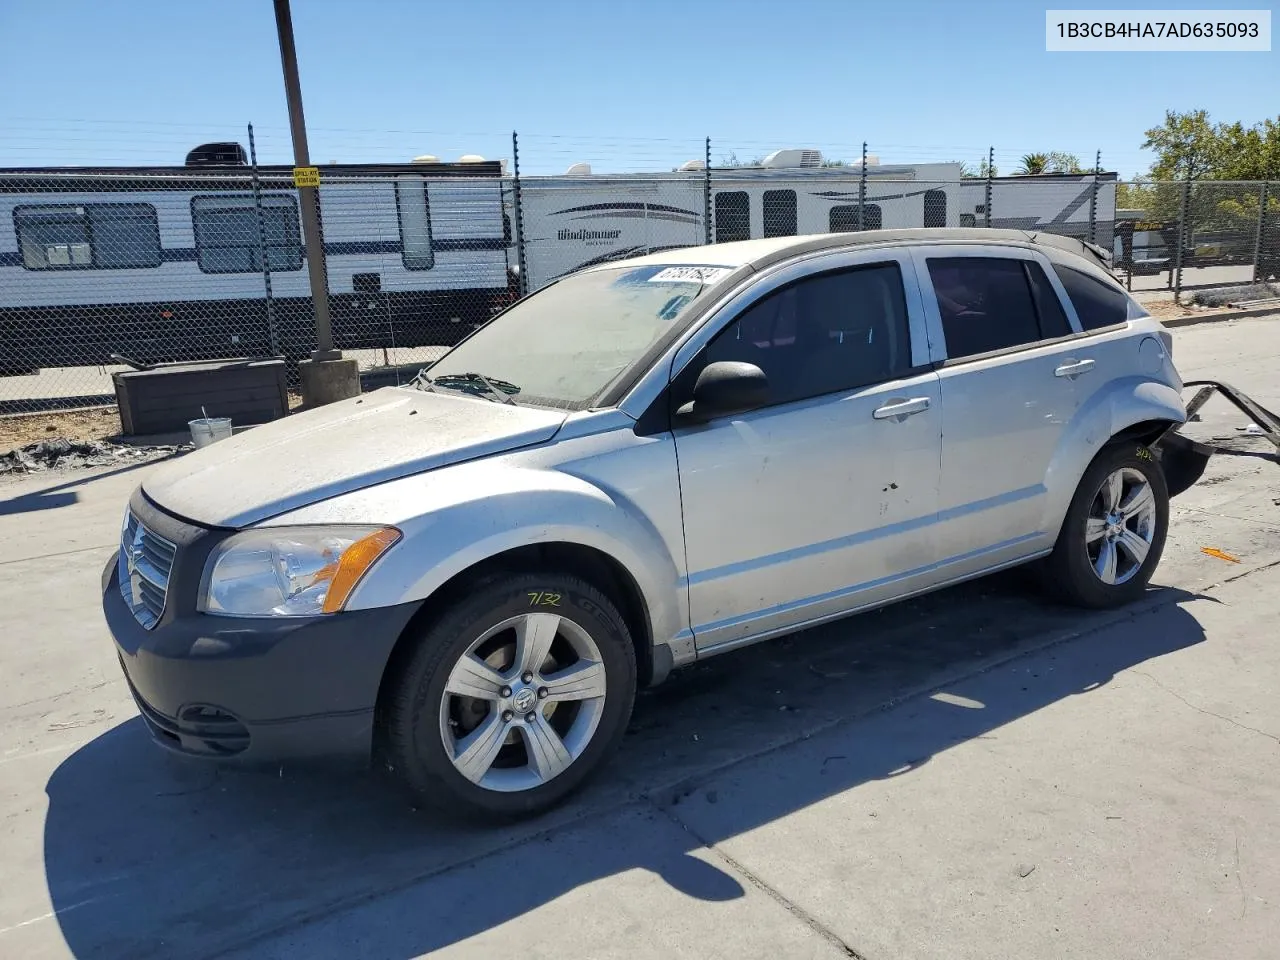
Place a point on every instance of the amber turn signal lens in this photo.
(355, 563)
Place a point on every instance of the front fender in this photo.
(455, 518)
(1114, 408)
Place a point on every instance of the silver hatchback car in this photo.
(642, 464)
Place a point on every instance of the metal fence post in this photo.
(991, 160)
(706, 192)
(1093, 199)
(522, 264)
(1182, 238)
(1262, 230)
(262, 247)
(862, 189)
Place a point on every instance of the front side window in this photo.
(227, 233)
(779, 213)
(831, 332)
(1097, 304)
(101, 236)
(985, 304)
(563, 345)
(733, 216)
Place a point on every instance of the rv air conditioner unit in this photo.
(218, 155)
(579, 170)
(427, 158)
(693, 166)
(793, 158)
(471, 158)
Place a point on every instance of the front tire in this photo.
(512, 698)
(1114, 531)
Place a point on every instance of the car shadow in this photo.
(64, 494)
(148, 855)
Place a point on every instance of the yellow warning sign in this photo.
(306, 176)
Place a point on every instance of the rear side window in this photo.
(985, 303)
(1097, 304)
(1053, 319)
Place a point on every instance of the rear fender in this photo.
(1109, 412)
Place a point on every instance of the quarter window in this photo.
(985, 304)
(90, 236)
(779, 213)
(831, 332)
(733, 216)
(1097, 304)
(227, 238)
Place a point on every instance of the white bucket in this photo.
(209, 430)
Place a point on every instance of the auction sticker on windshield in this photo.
(690, 274)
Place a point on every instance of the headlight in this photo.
(290, 571)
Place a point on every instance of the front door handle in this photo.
(899, 410)
(1073, 368)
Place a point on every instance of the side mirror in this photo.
(725, 388)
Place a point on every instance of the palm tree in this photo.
(1034, 164)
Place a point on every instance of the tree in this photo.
(1187, 146)
(732, 161)
(1060, 162)
(1034, 164)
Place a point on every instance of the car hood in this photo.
(308, 457)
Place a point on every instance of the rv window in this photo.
(1097, 304)
(91, 236)
(823, 334)
(844, 219)
(935, 208)
(227, 239)
(414, 210)
(968, 220)
(985, 304)
(733, 216)
(779, 213)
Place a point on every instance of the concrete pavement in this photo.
(975, 774)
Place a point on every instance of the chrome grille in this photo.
(146, 561)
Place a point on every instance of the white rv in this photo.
(166, 263)
(576, 220)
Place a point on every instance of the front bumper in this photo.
(253, 690)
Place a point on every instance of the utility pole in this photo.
(327, 377)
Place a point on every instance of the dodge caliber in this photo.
(465, 580)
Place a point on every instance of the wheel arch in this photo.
(603, 571)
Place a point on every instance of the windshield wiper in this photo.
(499, 390)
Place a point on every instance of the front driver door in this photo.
(825, 499)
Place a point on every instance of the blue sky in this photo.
(623, 84)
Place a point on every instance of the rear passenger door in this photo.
(1008, 366)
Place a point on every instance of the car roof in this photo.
(758, 254)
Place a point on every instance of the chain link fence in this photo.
(1192, 236)
(100, 270)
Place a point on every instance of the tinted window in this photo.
(844, 218)
(1097, 304)
(1053, 319)
(831, 332)
(733, 217)
(103, 236)
(985, 303)
(935, 208)
(227, 239)
(779, 213)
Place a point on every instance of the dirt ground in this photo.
(97, 424)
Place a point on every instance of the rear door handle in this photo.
(1073, 368)
(899, 410)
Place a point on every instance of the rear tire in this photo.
(512, 698)
(1114, 531)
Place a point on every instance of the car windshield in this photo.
(563, 345)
